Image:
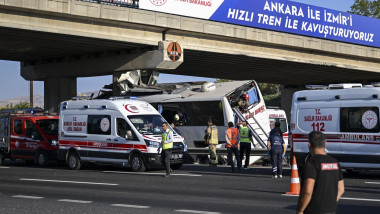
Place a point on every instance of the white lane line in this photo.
(75, 201)
(130, 206)
(27, 197)
(372, 182)
(4, 167)
(150, 173)
(196, 211)
(71, 182)
(345, 198)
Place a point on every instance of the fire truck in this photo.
(30, 135)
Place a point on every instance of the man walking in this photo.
(167, 146)
(276, 127)
(277, 148)
(232, 144)
(245, 143)
(211, 138)
(323, 181)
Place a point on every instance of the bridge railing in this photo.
(121, 3)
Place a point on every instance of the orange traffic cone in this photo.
(295, 186)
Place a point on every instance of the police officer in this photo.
(167, 146)
(211, 138)
(277, 149)
(245, 143)
(232, 144)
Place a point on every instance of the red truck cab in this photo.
(31, 137)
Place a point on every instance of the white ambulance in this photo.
(349, 116)
(115, 131)
(279, 115)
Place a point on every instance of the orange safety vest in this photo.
(232, 134)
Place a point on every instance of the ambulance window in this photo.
(359, 119)
(282, 121)
(4, 126)
(17, 126)
(99, 124)
(31, 131)
(124, 129)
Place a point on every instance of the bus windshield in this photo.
(147, 124)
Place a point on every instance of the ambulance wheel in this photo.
(176, 166)
(137, 163)
(41, 159)
(73, 161)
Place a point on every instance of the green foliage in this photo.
(273, 100)
(366, 8)
(19, 105)
(222, 80)
(269, 88)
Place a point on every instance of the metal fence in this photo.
(121, 3)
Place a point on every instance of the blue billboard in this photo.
(278, 15)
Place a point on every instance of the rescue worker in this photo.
(277, 148)
(167, 146)
(232, 144)
(276, 127)
(245, 143)
(323, 184)
(211, 138)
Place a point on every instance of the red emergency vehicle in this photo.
(32, 137)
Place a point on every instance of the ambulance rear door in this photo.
(100, 138)
(317, 116)
(359, 126)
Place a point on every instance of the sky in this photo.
(12, 85)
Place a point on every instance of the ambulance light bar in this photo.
(345, 85)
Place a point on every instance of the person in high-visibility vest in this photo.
(211, 138)
(245, 143)
(232, 144)
(167, 146)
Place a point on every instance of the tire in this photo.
(176, 166)
(73, 161)
(137, 163)
(41, 159)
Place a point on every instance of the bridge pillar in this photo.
(287, 92)
(57, 90)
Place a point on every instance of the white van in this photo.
(349, 116)
(116, 131)
(279, 115)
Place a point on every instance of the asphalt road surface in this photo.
(193, 189)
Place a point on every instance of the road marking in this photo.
(196, 211)
(75, 201)
(345, 198)
(4, 167)
(27, 197)
(372, 182)
(72, 182)
(130, 206)
(150, 173)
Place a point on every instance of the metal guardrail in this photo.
(121, 3)
(223, 151)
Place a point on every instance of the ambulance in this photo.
(279, 115)
(113, 131)
(349, 116)
(28, 136)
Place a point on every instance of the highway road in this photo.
(193, 189)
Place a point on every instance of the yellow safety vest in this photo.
(166, 146)
(244, 135)
(214, 134)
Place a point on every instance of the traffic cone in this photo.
(295, 186)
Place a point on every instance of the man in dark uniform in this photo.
(276, 127)
(323, 183)
(277, 148)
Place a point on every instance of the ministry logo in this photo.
(158, 2)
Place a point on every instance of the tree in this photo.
(17, 106)
(366, 8)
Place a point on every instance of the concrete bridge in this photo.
(57, 41)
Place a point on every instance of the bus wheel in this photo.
(41, 159)
(137, 163)
(73, 161)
